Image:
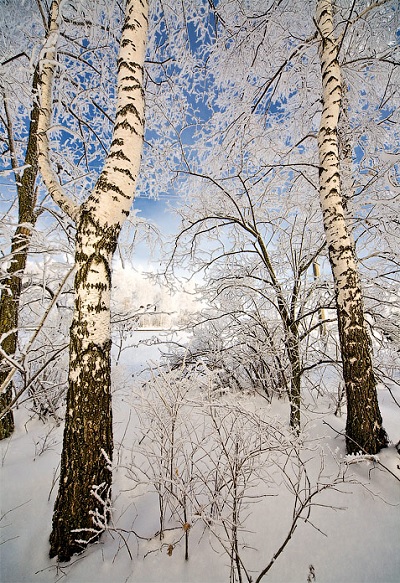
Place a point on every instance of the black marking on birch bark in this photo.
(327, 71)
(128, 26)
(324, 159)
(329, 135)
(106, 236)
(127, 126)
(127, 41)
(130, 65)
(131, 87)
(95, 259)
(131, 78)
(119, 155)
(132, 26)
(105, 186)
(129, 108)
(125, 171)
(335, 176)
(335, 101)
(117, 142)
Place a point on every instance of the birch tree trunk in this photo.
(364, 431)
(11, 292)
(88, 440)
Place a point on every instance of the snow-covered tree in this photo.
(364, 431)
(31, 220)
(25, 168)
(256, 122)
(256, 248)
(88, 442)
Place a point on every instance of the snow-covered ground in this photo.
(352, 534)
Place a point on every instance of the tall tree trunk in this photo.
(88, 423)
(11, 293)
(87, 444)
(364, 431)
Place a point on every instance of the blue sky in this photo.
(157, 211)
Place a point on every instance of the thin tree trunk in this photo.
(364, 431)
(11, 292)
(321, 311)
(295, 380)
(291, 336)
(88, 444)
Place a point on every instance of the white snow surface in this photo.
(357, 543)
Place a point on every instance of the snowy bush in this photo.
(213, 460)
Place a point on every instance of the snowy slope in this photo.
(356, 542)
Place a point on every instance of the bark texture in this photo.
(11, 292)
(88, 443)
(88, 422)
(364, 431)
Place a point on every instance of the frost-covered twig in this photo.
(304, 494)
(38, 329)
(363, 456)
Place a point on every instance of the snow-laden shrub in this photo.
(212, 460)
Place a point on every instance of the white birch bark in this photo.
(88, 428)
(47, 67)
(364, 430)
(102, 215)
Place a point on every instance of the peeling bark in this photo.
(364, 431)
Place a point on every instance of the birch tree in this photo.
(237, 211)
(364, 431)
(260, 116)
(32, 221)
(87, 445)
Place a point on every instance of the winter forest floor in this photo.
(351, 534)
